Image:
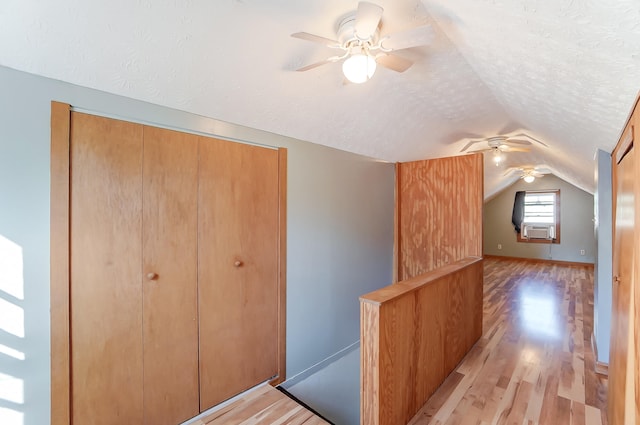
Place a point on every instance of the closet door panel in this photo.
(170, 328)
(621, 371)
(238, 268)
(106, 293)
(636, 271)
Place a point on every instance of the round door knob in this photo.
(238, 263)
(152, 276)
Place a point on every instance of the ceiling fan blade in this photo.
(317, 64)
(316, 39)
(511, 170)
(482, 150)
(516, 142)
(543, 170)
(471, 143)
(414, 37)
(367, 19)
(393, 62)
(510, 149)
(532, 138)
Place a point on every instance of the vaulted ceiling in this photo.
(565, 72)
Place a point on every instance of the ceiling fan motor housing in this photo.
(496, 142)
(347, 33)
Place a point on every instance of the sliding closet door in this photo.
(170, 306)
(106, 272)
(238, 268)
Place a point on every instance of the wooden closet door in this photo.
(621, 391)
(170, 327)
(237, 268)
(106, 252)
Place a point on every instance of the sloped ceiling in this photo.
(566, 71)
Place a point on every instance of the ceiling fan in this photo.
(529, 174)
(362, 47)
(499, 145)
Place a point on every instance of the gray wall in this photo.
(334, 391)
(340, 232)
(576, 221)
(603, 269)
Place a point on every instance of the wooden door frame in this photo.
(60, 264)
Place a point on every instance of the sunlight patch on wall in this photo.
(11, 318)
(11, 276)
(12, 392)
(12, 322)
(11, 352)
(11, 417)
(11, 389)
(11, 284)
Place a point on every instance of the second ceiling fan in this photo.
(362, 47)
(498, 145)
(529, 173)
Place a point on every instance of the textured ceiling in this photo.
(565, 72)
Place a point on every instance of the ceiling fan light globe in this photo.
(529, 178)
(358, 68)
(498, 156)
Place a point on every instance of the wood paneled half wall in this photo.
(438, 213)
(413, 334)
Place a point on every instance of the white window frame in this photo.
(555, 223)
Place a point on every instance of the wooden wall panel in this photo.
(474, 307)
(455, 330)
(439, 213)
(397, 359)
(413, 333)
(429, 339)
(369, 361)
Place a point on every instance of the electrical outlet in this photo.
(582, 252)
(499, 246)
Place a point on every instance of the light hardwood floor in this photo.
(534, 363)
(264, 405)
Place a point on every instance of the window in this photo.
(541, 218)
(539, 208)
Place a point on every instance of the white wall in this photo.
(576, 222)
(603, 204)
(340, 234)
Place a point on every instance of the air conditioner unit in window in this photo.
(533, 231)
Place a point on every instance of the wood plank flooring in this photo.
(534, 363)
(264, 405)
